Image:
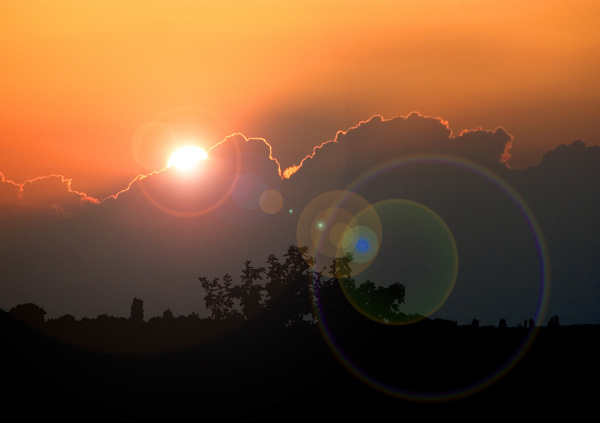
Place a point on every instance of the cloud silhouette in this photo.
(52, 194)
(376, 140)
(564, 192)
(153, 239)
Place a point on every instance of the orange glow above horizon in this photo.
(81, 78)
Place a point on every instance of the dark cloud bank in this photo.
(71, 253)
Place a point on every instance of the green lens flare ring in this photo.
(330, 228)
(340, 200)
(425, 259)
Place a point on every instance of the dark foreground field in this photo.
(198, 372)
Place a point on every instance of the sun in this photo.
(186, 158)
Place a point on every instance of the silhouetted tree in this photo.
(107, 319)
(218, 297)
(502, 323)
(381, 302)
(284, 297)
(250, 292)
(66, 318)
(193, 316)
(276, 274)
(288, 289)
(553, 323)
(29, 314)
(475, 323)
(371, 300)
(329, 297)
(294, 287)
(340, 267)
(137, 311)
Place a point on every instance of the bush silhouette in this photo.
(30, 314)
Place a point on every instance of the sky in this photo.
(480, 117)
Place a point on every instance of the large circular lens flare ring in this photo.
(494, 181)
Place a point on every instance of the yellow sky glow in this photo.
(80, 78)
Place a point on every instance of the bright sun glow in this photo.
(187, 158)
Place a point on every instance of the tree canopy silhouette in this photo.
(29, 313)
(293, 290)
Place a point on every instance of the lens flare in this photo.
(361, 242)
(339, 222)
(186, 158)
(419, 252)
(424, 234)
(270, 201)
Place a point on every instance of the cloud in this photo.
(9, 193)
(375, 140)
(564, 192)
(353, 151)
(47, 194)
(153, 238)
(487, 147)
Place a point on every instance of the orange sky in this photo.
(81, 79)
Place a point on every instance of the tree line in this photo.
(288, 292)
